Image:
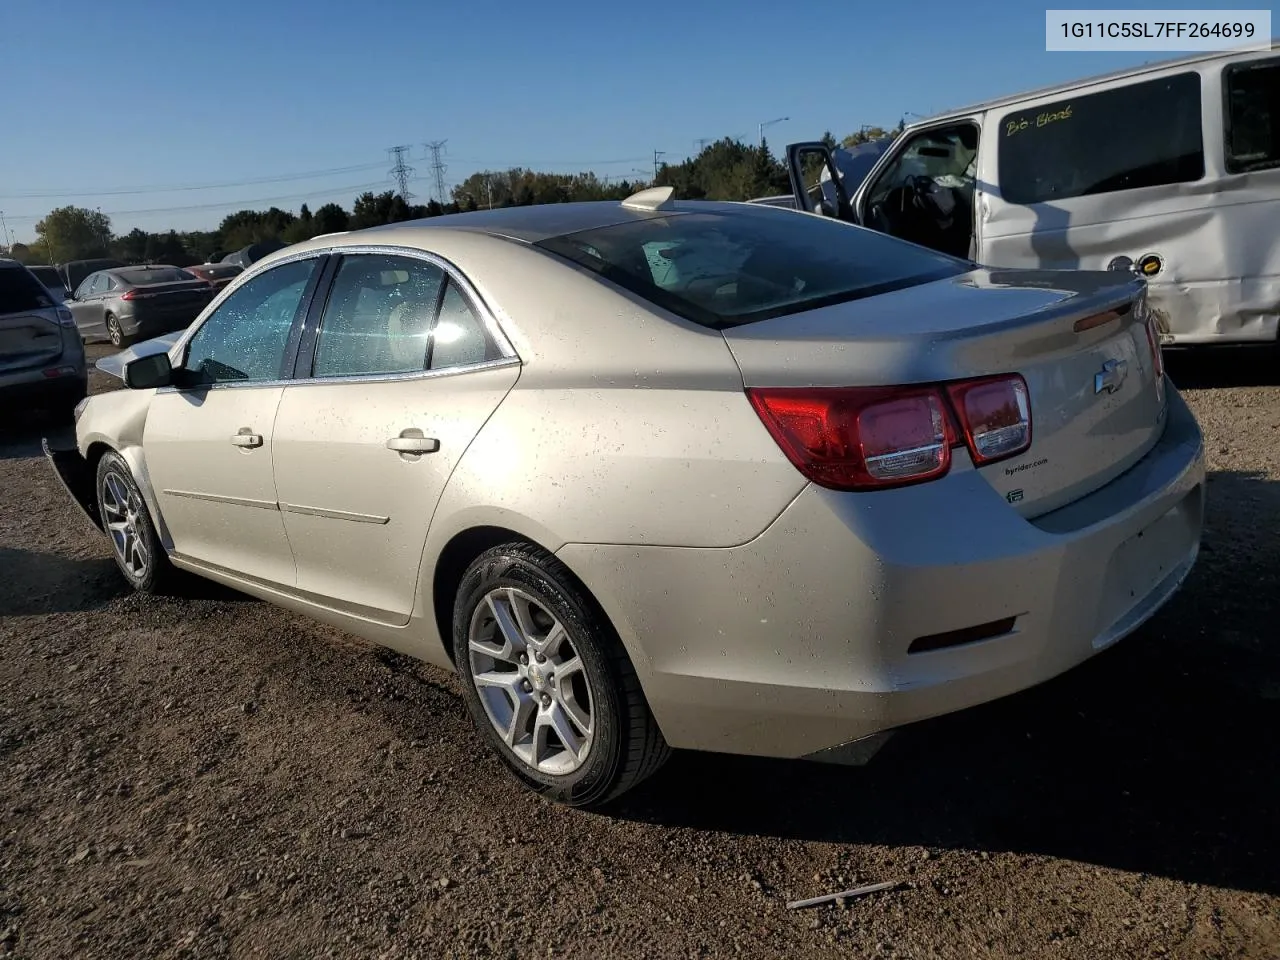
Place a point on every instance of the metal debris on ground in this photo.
(832, 897)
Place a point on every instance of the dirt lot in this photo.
(210, 776)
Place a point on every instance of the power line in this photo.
(438, 168)
(123, 191)
(401, 171)
(243, 204)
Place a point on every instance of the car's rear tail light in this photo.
(1153, 341)
(995, 415)
(867, 438)
(135, 295)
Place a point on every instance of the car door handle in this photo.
(412, 441)
(247, 438)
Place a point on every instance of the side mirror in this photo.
(146, 373)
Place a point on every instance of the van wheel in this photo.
(548, 682)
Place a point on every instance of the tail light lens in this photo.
(866, 438)
(996, 416)
(1153, 341)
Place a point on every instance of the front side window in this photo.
(378, 319)
(1139, 135)
(245, 338)
(722, 269)
(1253, 115)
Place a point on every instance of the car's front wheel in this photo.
(548, 682)
(127, 522)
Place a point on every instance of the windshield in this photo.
(723, 269)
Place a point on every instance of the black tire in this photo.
(115, 333)
(157, 574)
(626, 746)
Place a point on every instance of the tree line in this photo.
(727, 169)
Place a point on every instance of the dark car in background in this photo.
(125, 303)
(218, 275)
(41, 355)
(74, 271)
(53, 281)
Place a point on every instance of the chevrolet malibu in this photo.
(663, 474)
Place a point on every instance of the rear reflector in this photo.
(866, 438)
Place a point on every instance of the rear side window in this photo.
(724, 269)
(1140, 135)
(1252, 115)
(20, 290)
(379, 316)
(459, 338)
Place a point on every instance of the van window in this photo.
(1253, 115)
(1139, 135)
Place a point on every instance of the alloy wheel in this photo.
(123, 511)
(531, 681)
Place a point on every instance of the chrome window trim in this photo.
(455, 275)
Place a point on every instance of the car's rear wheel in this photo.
(127, 522)
(115, 333)
(548, 682)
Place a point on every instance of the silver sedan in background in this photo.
(649, 475)
(124, 303)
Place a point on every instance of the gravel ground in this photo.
(210, 776)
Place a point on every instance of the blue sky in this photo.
(138, 94)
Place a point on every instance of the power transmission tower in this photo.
(401, 171)
(702, 143)
(438, 168)
(656, 155)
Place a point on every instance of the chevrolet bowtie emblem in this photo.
(1111, 377)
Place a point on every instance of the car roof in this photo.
(1070, 85)
(535, 223)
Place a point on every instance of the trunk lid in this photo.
(1078, 339)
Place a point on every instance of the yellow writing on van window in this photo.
(1042, 120)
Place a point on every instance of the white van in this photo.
(1171, 170)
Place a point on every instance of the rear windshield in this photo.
(20, 291)
(159, 275)
(724, 269)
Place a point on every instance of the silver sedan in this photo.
(124, 303)
(661, 475)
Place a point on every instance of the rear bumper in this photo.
(77, 479)
(797, 642)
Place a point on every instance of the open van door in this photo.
(805, 162)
